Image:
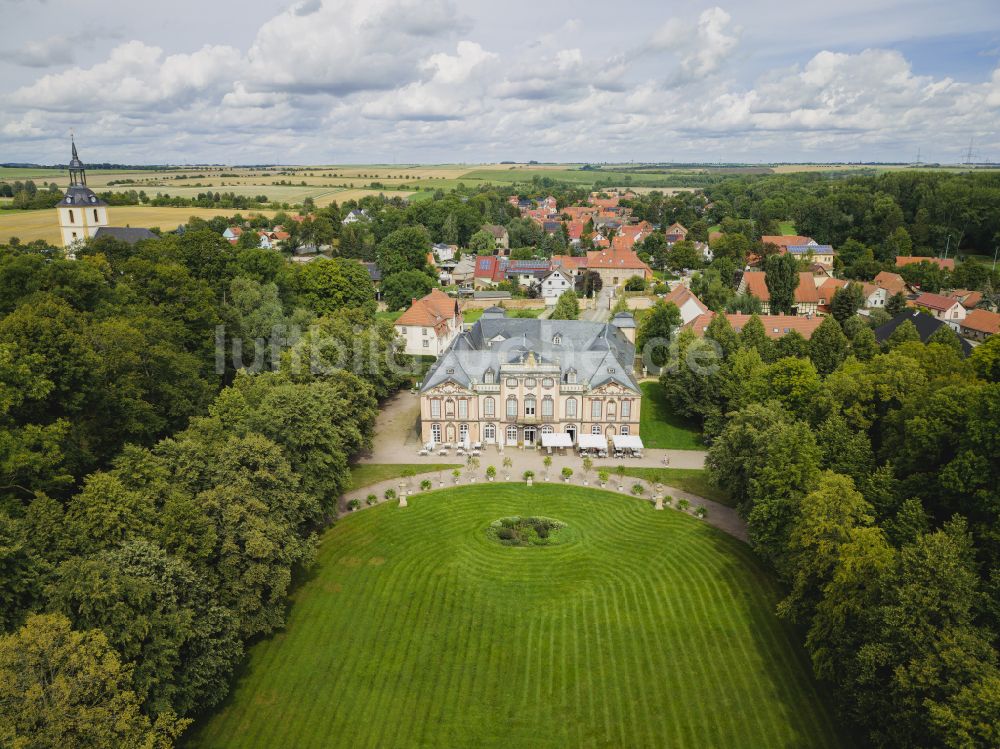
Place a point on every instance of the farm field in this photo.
(415, 629)
(31, 225)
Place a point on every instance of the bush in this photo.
(529, 475)
(390, 494)
(425, 485)
(354, 504)
(603, 476)
(491, 472)
(567, 472)
(507, 534)
(638, 489)
(371, 499)
(700, 512)
(683, 504)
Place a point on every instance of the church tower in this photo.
(81, 212)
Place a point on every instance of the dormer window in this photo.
(571, 377)
(488, 377)
(557, 339)
(450, 370)
(611, 370)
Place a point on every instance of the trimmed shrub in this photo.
(390, 494)
(638, 489)
(354, 504)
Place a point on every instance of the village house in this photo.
(943, 308)
(464, 270)
(617, 267)
(573, 266)
(554, 283)
(893, 283)
(501, 238)
(430, 324)
(676, 233)
(354, 216)
(775, 326)
(903, 260)
(925, 324)
(980, 324)
(817, 253)
(784, 241)
(444, 253)
(690, 306)
(874, 296)
(806, 298)
(509, 381)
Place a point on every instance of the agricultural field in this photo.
(415, 628)
(31, 225)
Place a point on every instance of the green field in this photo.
(367, 474)
(660, 427)
(786, 227)
(694, 480)
(643, 629)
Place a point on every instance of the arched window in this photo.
(489, 407)
(547, 429)
(511, 407)
(547, 407)
(529, 406)
(557, 339)
(512, 435)
(595, 429)
(490, 433)
(488, 377)
(571, 377)
(571, 408)
(612, 410)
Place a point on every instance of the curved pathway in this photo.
(719, 516)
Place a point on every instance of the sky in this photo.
(435, 81)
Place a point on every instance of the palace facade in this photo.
(510, 380)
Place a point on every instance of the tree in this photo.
(753, 335)
(985, 359)
(404, 249)
(905, 332)
(847, 301)
(656, 332)
(326, 285)
(61, 688)
(864, 345)
(449, 229)
(896, 303)
(683, 255)
(356, 241)
(781, 274)
(945, 336)
(589, 283)
(482, 243)
(567, 307)
(400, 288)
(635, 283)
(825, 519)
(828, 346)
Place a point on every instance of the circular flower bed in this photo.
(533, 531)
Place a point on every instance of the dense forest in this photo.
(155, 504)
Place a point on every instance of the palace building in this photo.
(511, 380)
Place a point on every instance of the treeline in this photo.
(27, 195)
(227, 200)
(870, 481)
(155, 510)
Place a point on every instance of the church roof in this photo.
(80, 195)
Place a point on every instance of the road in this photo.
(602, 307)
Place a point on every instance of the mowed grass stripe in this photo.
(644, 629)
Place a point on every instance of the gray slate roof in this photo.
(124, 233)
(599, 352)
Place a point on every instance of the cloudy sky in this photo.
(340, 81)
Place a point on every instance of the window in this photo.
(490, 433)
(529, 406)
(624, 429)
(595, 409)
(557, 339)
(547, 429)
(489, 406)
(571, 408)
(435, 409)
(449, 409)
(71, 219)
(435, 433)
(626, 409)
(511, 407)
(512, 435)
(571, 377)
(488, 377)
(547, 382)
(424, 331)
(463, 433)
(612, 410)
(547, 407)
(463, 409)
(427, 343)
(595, 429)
(95, 216)
(530, 383)
(511, 382)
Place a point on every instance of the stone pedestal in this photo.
(659, 503)
(402, 500)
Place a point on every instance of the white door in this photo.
(512, 435)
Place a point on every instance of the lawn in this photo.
(471, 315)
(786, 227)
(416, 629)
(387, 315)
(366, 474)
(694, 480)
(660, 427)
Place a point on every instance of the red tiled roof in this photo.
(757, 285)
(775, 326)
(891, 282)
(785, 240)
(568, 261)
(682, 294)
(828, 288)
(968, 299)
(904, 260)
(983, 321)
(434, 310)
(616, 259)
(937, 302)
